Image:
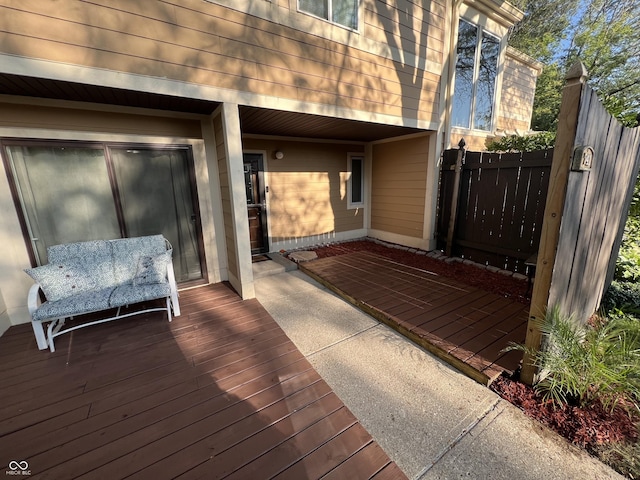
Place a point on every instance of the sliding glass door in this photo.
(155, 194)
(70, 193)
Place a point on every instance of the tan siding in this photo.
(226, 197)
(307, 188)
(399, 186)
(32, 116)
(518, 90)
(414, 26)
(201, 42)
(474, 143)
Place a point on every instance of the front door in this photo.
(256, 205)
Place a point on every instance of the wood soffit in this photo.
(254, 120)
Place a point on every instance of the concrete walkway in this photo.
(434, 422)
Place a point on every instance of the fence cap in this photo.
(577, 72)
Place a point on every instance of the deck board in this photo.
(220, 392)
(464, 325)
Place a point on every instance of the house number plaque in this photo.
(582, 158)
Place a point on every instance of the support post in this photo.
(455, 198)
(550, 234)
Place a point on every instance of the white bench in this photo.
(100, 275)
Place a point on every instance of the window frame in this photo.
(330, 15)
(481, 33)
(350, 203)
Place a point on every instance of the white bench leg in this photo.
(41, 338)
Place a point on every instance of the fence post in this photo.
(560, 168)
(455, 197)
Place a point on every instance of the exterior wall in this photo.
(399, 187)
(518, 90)
(205, 43)
(70, 121)
(5, 321)
(67, 116)
(226, 126)
(307, 199)
(225, 192)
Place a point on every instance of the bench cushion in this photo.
(126, 253)
(63, 279)
(130, 294)
(94, 255)
(87, 302)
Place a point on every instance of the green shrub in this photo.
(628, 264)
(523, 143)
(581, 364)
(622, 298)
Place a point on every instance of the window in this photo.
(475, 82)
(342, 12)
(355, 184)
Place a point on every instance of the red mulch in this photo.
(467, 274)
(587, 427)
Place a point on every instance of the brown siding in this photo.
(307, 188)
(399, 186)
(225, 193)
(204, 43)
(32, 116)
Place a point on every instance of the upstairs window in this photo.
(475, 81)
(342, 12)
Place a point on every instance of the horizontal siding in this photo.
(307, 188)
(399, 186)
(34, 116)
(518, 91)
(204, 43)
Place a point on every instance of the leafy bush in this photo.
(583, 364)
(622, 298)
(628, 264)
(523, 143)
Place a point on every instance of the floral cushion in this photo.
(152, 269)
(63, 279)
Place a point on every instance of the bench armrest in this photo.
(33, 298)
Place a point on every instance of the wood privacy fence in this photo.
(500, 205)
(595, 166)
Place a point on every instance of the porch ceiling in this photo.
(254, 120)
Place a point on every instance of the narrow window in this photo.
(342, 12)
(355, 190)
(475, 81)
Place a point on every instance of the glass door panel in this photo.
(65, 195)
(155, 195)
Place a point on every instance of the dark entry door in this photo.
(256, 205)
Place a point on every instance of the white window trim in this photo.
(353, 205)
(330, 15)
(493, 28)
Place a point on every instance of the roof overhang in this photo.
(253, 120)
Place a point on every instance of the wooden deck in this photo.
(221, 392)
(463, 325)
